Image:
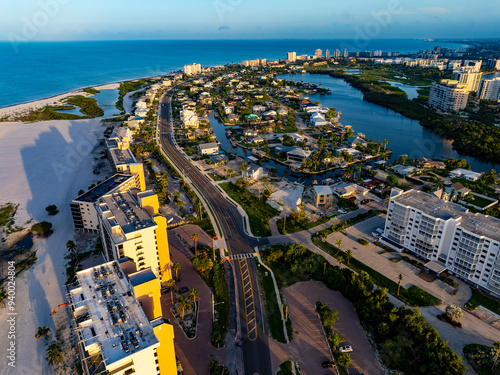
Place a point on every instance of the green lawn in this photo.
(480, 201)
(6, 214)
(273, 313)
(285, 368)
(479, 298)
(414, 295)
(292, 226)
(258, 211)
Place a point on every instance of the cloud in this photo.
(223, 28)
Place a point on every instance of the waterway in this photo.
(411, 91)
(405, 136)
(106, 99)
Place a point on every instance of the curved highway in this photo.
(249, 307)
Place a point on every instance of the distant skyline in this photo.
(67, 20)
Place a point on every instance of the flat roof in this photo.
(121, 157)
(108, 316)
(141, 277)
(478, 224)
(104, 188)
(122, 209)
(204, 146)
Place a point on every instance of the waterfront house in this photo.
(298, 154)
(466, 174)
(257, 140)
(249, 133)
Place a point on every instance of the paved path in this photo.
(309, 347)
(194, 355)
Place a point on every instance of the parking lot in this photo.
(309, 347)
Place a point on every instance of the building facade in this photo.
(489, 89)
(291, 56)
(468, 76)
(448, 95)
(131, 226)
(192, 69)
(467, 244)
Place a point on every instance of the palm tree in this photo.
(183, 307)
(400, 278)
(385, 142)
(171, 284)
(194, 295)
(54, 354)
(339, 245)
(348, 255)
(194, 237)
(176, 267)
(42, 332)
(70, 245)
(3, 296)
(242, 168)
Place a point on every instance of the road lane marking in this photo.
(249, 300)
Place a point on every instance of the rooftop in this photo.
(109, 318)
(142, 277)
(122, 209)
(322, 190)
(479, 224)
(105, 187)
(121, 157)
(205, 146)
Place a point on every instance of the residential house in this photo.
(253, 172)
(359, 141)
(257, 109)
(323, 196)
(208, 148)
(257, 140)
(466, 174)
(318, 120)
(250, 133)
(427, 163)
(344, 189)
(298, 154)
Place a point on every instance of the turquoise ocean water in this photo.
(37, 70)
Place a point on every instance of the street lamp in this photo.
(213, 247)
(213, 308)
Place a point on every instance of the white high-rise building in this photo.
(291, 56)
(318, 54)
(327, 54)
(446, 233)
(336, 53)
(489, 89)
(346, 53)
(192, 69)
(448, 95)
(474, 64)
(468, 76)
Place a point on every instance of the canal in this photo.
(405, 136)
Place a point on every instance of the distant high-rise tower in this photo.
(327, 54)
(336, 53)
(346, 53)
(291, 56)
(318, 53)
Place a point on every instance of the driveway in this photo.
(309, 346)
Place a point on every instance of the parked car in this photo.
(165, 290)
(345, 349)
(183, 290)
(328, 364)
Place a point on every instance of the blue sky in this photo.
(244, 19)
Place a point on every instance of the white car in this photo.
(345, 349)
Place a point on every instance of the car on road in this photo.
(165, 290)
(345, 349)
(328, 364)
(183, 290)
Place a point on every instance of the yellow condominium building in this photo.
(122, 158)
(131, 226)
(116, 335)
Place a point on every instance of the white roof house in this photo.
(298, 154)
(250, 133)
(318, 121)
(282, 112)
(270, 113)
(253, 172)
(258, 139)
(208, 148)
(464, 173)
(344, 189)
(258, 108)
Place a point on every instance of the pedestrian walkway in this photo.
(240, 256)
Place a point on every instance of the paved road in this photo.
(252, 337)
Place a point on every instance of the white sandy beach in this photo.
(40, 164)
(54, 100)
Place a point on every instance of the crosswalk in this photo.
(240, 256)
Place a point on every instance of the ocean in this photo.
(37, 70)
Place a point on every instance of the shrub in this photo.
(362, 241)
(42, 228)
(51, 209)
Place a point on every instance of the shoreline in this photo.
(32, 105)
